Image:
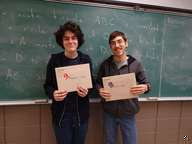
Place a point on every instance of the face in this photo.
(118, 46)
(70, 42)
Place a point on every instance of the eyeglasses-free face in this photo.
(70, 42)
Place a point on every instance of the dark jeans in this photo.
(127, 127)
(70, 131)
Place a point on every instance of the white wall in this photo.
(181, 4)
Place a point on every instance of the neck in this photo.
(120, 58)
(71, 55)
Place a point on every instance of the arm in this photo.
(143, 84)
(139, 89)
(50, 85)
(99, 85)
(82, 92)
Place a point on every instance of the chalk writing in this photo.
(22, 41)
(150, 27)
(40, 77)
(36, 29)
(11, 74)
(174, 21)
(3, 13)
(35, 60)
(104, 21)
(103, 50)
(19, 57)
(10, 28)
(29, 13)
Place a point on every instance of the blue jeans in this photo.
(70, 132)
(127, 127)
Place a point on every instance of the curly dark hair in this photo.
(115, 34)
(72, 27)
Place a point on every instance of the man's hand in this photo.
(139, 89)
(82, 92)
(59, 95)
(104, 93)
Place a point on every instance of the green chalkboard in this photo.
(162, 42)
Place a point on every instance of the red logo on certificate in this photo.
(66, 76)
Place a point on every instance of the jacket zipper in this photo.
(78, 116)
(62, 115)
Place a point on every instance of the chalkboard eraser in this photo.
(152, 98)
(41, 101)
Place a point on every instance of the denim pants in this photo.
(127, 128)
(70, 132)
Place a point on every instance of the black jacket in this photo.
(109, 68)
(72, 103)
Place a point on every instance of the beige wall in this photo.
(157, 122)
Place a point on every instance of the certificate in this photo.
(119, 86)
(69, 77)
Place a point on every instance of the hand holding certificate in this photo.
(70, 77)
(119, 86)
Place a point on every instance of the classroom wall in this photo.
(161, 122)
(157, 122)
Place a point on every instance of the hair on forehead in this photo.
(72, 27)
(116, 34)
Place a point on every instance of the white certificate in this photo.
(69, 77)
(119, 86)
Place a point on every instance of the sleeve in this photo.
(50, 81)
(141, 77)
(91, 70)
(100, 74)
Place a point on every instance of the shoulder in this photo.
(107, 61)
(56, 55)
(134, 64)
(54, 58)
(133, 60)
(84, 57)
(81, 54)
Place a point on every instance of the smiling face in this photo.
(70, 42)
(118, 46)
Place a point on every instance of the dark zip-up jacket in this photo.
(79, 106)
(109, 68)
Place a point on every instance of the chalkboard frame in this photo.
(42, 101)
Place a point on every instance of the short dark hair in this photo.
(115, 34)
(72, 27)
